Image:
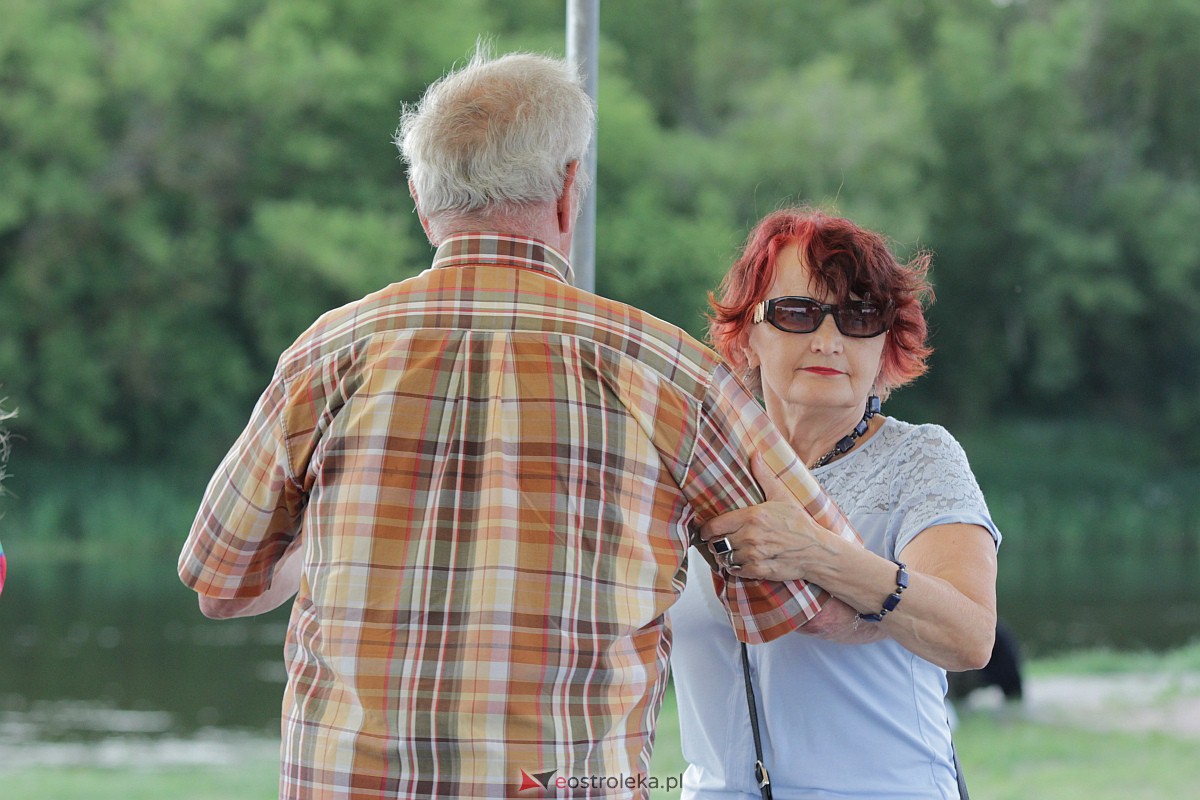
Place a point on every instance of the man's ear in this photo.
(566, 200)
(412, 190)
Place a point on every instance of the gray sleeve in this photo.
(936, 487)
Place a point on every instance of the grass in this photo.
(1019, 760)
(1004, 756)
(250, 781)
(1080, 480)
(1103, 661)
(136, 508)
(1002, 760)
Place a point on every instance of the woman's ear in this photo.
(750, 355)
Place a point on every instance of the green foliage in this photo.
(187, 185)
(664, 233)
(818, 134)
(191, 184)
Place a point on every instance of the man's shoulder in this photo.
(438, 299)
(339, 327)
(651, 341)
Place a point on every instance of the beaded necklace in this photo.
(847, 442)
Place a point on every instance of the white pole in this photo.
(583, 37)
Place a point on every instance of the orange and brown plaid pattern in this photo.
(495, 476)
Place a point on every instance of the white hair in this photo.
(5, 443)
(498, 132)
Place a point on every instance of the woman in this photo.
(823, 319)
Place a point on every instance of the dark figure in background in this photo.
(1002, 671)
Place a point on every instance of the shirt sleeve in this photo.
(733, 426)
(935, 486)
(251, 509)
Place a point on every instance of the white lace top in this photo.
(914, 476)
(846, 721)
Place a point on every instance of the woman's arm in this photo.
(947, 615)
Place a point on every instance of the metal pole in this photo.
(583, 37)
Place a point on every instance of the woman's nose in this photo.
(826, 338)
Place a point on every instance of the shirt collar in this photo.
(463, 249)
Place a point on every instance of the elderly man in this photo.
(481, 483)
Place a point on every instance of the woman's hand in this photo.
(777, 540)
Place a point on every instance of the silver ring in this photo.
(726, 560)
(722, 546)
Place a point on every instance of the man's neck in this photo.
(532, 221)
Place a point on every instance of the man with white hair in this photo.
(481, 484)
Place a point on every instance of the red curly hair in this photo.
(846, 260)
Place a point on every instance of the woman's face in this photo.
(820, 370)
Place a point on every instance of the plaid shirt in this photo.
(496, 476)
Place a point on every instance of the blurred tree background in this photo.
(187, 184)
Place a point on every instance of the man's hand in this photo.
(838, 622)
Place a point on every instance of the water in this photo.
(108, 660)
(104, 662)
(1064, 594)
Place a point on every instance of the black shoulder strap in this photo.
(760, 769)
(962, 782)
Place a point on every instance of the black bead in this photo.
(845, 444)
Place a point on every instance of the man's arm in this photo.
(285, 582)
(248, 521)
(733, 428)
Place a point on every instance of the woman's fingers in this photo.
(773, 488)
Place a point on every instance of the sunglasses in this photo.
(859, 319)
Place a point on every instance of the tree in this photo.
(187, 186)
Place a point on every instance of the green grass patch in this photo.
(1057, 484)
(59, 511)
(1103, 661)
(1082, 481)
(253, 780)
(1018, 760)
